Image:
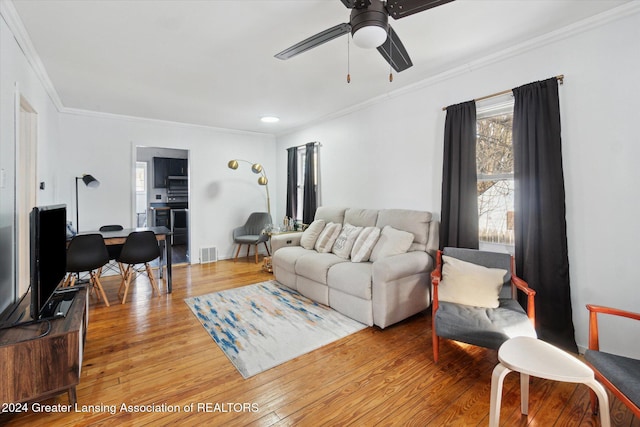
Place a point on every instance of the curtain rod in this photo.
(303, 145)
(560, 78)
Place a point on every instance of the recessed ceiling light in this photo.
(269, 119)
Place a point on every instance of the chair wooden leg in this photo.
(267, 248)
(152, 279)
(95, 281)
(126, 281)
(255, 250)
(237, 252)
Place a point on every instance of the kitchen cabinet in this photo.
(164, 167)
(177, 167)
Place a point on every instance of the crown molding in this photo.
(159, 122)
(11, 17)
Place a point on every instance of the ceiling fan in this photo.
(370, 28)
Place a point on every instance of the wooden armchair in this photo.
(482, 326)
(621, 375)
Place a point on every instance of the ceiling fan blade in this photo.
(393, 51)
(400, 8)
(314, 41)
(357, 4)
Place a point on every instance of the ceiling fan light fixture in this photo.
(370, 37)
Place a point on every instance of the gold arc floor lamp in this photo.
(257, 169)
(90, 182)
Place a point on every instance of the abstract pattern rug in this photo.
(263, 325)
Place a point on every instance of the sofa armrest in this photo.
(403, 265)
(285, 239)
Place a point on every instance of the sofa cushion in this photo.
(364, 244)
(315, 266)
(415, 222)
(361, 217)
(287, 256)
(330, 214)
(353, 278)
(310, 235)
(344, 243)
(470, 284)
(391, 242)
(327, 237)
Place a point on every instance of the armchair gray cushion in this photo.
(622, 372)
(485, 327)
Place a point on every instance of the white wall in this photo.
(389, 154)
(18, 78)
(220, 198)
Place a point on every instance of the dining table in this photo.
(162, 234)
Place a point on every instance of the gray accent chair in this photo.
(252, 233)
(620, 374)
(484, 327)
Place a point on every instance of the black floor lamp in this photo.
(90, 182)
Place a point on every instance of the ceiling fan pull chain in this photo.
(348, 61)
(390, 54)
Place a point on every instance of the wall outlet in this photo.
(158, 197)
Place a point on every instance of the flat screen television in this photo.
(48, 233)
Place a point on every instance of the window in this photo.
(494, 160)
(141, 194)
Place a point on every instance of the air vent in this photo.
(208, 255)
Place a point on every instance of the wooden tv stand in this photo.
(34, 365)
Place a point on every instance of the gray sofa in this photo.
(380, 293)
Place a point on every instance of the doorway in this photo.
(162, 195)
(26, 177)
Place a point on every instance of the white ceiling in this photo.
(210, 62)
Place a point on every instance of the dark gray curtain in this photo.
(459, 215)
(309, 201)
(292, 182)
(540, 224)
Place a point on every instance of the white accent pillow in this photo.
(364, 244)
(328, 237)
(470, 284)
(344, 243)
(310, 235)
(391, 242)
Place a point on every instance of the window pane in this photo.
(141, 177)
(494, 155)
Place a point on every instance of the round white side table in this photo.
(530, 356)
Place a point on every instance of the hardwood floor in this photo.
(152, 351)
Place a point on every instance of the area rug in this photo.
(263, 325)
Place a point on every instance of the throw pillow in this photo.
(470, 284)
(364, 244)
(310, 235)
(344, 243)
(328, 237)
(391, 242)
